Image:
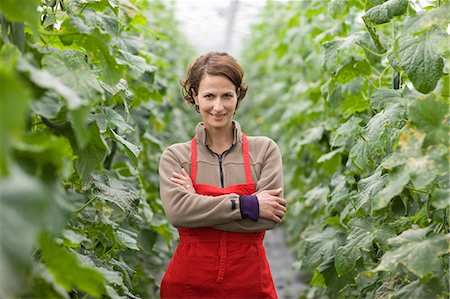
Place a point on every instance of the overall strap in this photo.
(194, 160)
(246, 155)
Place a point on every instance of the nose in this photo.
(218, 105)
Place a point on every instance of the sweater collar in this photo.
(200, 132)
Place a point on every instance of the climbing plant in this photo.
(88, 91)
(357, 95)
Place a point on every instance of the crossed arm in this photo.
(185, 208)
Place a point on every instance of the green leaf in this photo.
(417, 252)
(44, 79)
(15, 96)
(312, 135)
(336, 47)
(395, 182)
(419, 59)
(108, 118)
(131, 149)
(372, 3)
(430, 114)
(427, 287)
(346, 132)
(385, 12)
(68, 270)
(81, 78)
(21, 11)
(318, 280)
(363, 232)
(93, 154)
(51, 154)
(79, 120)
(424, 20)
(75, 31)
(368, 188)
(28, 206)
(441, 198)
(111, 189)
(375, 132)
(352, 69)
(423, 167)
(127, 240)
(360, 154)
(320, 246)
(73, 239)
(383, 97)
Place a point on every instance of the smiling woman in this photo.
(222, 190)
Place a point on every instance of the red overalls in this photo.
(210, 263)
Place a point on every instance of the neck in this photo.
(219, 140)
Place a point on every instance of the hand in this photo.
(183, 180)
(271, 206)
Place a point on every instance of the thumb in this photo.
(274, 191)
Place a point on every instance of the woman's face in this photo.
(217, 101)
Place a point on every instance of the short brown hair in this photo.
(215, 64)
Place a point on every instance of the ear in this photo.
(194, 95)
(238, 92)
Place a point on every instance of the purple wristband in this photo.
(249, 207)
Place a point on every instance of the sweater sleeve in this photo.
(184, 209)
(271, 177)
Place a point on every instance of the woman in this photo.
(222, 190)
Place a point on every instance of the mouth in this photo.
(217, 116)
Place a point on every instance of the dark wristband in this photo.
(249, 207)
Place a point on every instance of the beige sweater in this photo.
(184, 209)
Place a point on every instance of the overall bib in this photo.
(210, 263)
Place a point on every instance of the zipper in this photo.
(221, 170)
(222, 183)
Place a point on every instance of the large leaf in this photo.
(45, 79)
(422, 165)
(67, 269)
(360, 238)
(375, 132)
(75, 31)
(430, 115)
(21, 11)
(416, 251)
(395, 182)
(108, 118)
(92, 156)
(131, 149)
(28, 206)
(417, 56)
(383, 97)
(368, 188)
(427, 287)
(81, 78)
(424, 20)
(15, 96)
(320, 246)
(112, 190)
(346, 132)
(385, 12)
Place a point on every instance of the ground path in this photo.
(282, 260)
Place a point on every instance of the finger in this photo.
(274, 192)
(184, 172)
(276, 219)
(281, 201)
(281, 208)
(177, 175)
(179, 181)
